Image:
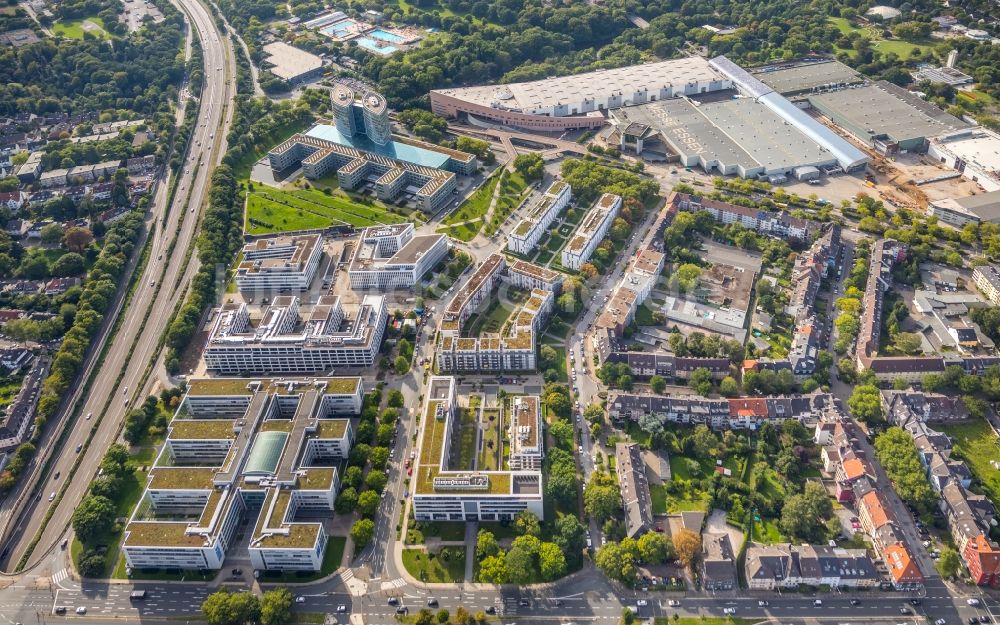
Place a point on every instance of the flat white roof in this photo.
(289, 61)
(979, 146)
(599, 85)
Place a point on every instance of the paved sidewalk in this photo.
(471, 537)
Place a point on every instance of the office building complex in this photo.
(391, 257)
(279, 263)
(525, 236)
(361, 150)
(289, 341)
(266, 449)
(444, 489)
(591, 231)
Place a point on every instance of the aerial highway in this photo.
(120, 382)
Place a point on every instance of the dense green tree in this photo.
(276, 606)
(362, 532)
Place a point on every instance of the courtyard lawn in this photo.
(491, 320)
(976, 444)
(766, 532)
(277, 210)
(446, 566)
(75, 29)
(463, 454)
(658, 497)
(492, 441)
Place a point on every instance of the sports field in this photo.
(272, 210)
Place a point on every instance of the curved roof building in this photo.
(579, 100)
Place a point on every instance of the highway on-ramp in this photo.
(163, 283)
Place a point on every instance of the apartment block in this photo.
(512, 349)
(444, 491)
(591, 231)
(281, 263)
(525, 236)
(239, 445)
(987, 279)
(392, 257)
(289, 340)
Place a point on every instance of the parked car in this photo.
(729, 610)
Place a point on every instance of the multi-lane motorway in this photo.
(122, 375)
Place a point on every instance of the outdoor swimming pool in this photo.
(339, 29)
(385, 35)
(372, 45)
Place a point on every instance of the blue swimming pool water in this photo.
(372, 45)
(392, 149)
(385, 35)
(338, 29)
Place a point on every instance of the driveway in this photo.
(717, 524)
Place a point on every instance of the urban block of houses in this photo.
(645, 365)
(719, 414)
(844, 458)
(287, 340)
(17, 418)
(970, 516)
(279, 263)
(780, 225)
(525, 236)
(787, 566)
(392, 257)
(236, 445)
(634, 489)
(591, 231)
(512, 349)
(444, 491)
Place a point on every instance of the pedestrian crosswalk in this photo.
(393, 584)
(60, 576)
(346, 575)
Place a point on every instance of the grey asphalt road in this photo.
(136, 341)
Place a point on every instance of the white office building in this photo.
(279, 263)
(525, 236)
(392, 257)
(591, 231)
(444, 492)
(239, 444)
(288, 340)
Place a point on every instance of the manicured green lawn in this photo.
(74, 29)
(472, 210)
(644, 316)
(902, 49)
(490, 321)
(278, 210)
(977, 446)
(444, 530)
(446, 566)
(512, 191)
(560, 364)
